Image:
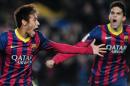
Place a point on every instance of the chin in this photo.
(114, 27)
(32, 35)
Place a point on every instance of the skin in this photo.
(28, 28)
(116, 18)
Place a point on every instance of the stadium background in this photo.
(62, 21)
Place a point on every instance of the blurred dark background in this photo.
(65, 21)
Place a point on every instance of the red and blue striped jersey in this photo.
(108, 69)
(17, 55)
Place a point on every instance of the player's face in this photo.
(32, 25)
(116, 17)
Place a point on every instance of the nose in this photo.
(115, 15)
(37, 22)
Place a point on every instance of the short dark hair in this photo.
(119, 4)
(23, 12)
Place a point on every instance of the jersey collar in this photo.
(119, 30)
(20, 37)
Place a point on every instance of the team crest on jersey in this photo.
(33, 46)
(126, 38)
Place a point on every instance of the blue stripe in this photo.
(122, 59)
(20, 70)
(12, 63)
(4, 41)
(24, 52)
(105, 59)
(44, 42)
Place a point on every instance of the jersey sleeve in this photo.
(44, 42)
(63, 48)
(60, 57)
(3, 41)
(91, 35)
(85, 42)
(128, 30)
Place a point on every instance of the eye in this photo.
(119, 13)
(112, 12)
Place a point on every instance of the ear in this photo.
(24, 22)
(109, 17)
(124, 18)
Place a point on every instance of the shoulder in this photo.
(38, 33)
(4, 35)
(126, 27)
(97, 28)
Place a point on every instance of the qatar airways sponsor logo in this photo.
(116, 48)
(22, 59)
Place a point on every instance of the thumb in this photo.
(93, 42)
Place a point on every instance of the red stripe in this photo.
(29, 53)
(128, 30)
(19, 52)
(100, 62)
(103, 35)
(124, 65)
(7, 60)
(16, 65)
(108, 65)
(115, 73)
(124, 62)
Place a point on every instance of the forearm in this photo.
(58, 58)
(65, 48)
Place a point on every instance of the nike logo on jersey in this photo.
(14, 46)
(108, 37)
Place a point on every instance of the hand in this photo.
(98, 49)
(50, 63)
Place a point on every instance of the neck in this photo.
(22, 32)
(117, 29)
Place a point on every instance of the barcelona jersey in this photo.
(16, 57)
(108, 69)
(18, 53)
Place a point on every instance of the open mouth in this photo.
(114, 23)
(114, 20)
(35, 30)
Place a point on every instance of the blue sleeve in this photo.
(94, 34)
(44, 42)
(3, 41)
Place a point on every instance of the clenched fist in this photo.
(50, 63)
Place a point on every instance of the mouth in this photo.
(114, 23)
(114, 20)
(35, 30)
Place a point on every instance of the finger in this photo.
(50, 66)
(100, 55)
(101, 45)
(93, 41)
(102, 49)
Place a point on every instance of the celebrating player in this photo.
(110, 70)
